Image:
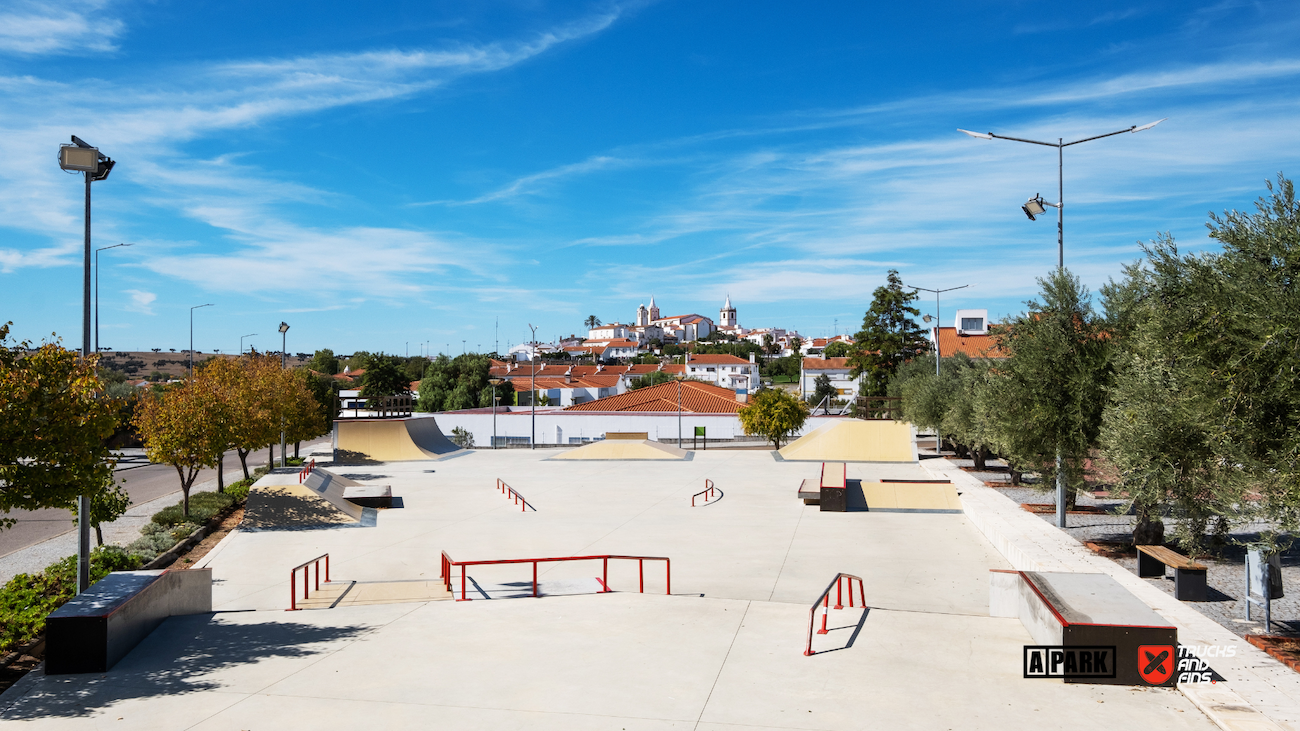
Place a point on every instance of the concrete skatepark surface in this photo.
(392, 440)
(279, 502)
(855, 440)
(724, 651)
(625, 449)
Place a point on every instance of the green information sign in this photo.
(699, 431)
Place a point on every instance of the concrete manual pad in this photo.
(354, 593)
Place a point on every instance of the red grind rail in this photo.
(707, 492)
(307, 468)
(306, 571)
(515, 497)
(825, 600)
(448, 563)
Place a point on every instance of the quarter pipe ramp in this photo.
(391, 440)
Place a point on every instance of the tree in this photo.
(178, 429)
(306, 414)
(888, 338)
(774, 414)
(106, 506)
(823, 390)
(53, 428)
(837, 349)
(591, 323)
(324, 362)
(382, 379)
(460, 383)
(1052, 387)
(653, 378)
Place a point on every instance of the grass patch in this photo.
(28, 599)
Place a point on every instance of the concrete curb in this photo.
(1263, 693)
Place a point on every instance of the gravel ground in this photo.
(1226, 575)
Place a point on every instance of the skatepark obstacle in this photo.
(624, 448)
(825, 600)
(306, 470)
(707, 492)
(854, 440)
(391, 440)
(305, 566)
(448, 563)
(510, 492)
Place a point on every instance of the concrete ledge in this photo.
(1029, 543)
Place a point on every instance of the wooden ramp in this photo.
(364, 593)
(854, 440)
(911, 497)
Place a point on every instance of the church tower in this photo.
(642, 316)
(654, 310)
(727, 315)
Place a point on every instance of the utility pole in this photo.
(532, 399)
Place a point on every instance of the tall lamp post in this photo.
(106, 248)
(241, 341)
(532, 399)
(495, 382)
(192, 309)
(1036, 206)
(284, 329)
(80, 157)
(679, 377)
(938, 438)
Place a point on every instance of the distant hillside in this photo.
(137, 364)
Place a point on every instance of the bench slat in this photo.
(1171, 558)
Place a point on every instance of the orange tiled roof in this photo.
(822, 364)
(697, 398)
(718, 359)
(976, 346)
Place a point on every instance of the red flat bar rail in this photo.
(307, 468)
(448, 563)
(306, 571)
(510, 492)
(825, 600)
(707, 492)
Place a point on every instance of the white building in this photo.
(837, 369)
(727, 371)
(609, 331)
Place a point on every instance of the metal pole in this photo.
(191, 342)
(284, 339)
(83, 500)
(97, 300)
(494, 416)
(679, 413)
(1060, 203)
(532, 384)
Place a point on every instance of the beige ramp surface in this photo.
(911, 497)
(854, 440)
(391, 440)
(625, 449)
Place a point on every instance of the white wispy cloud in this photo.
(37, 29)
(141, 301)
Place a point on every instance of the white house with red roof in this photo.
(836, 369)
(727, 371)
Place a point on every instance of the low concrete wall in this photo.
(97, 628)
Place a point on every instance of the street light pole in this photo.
(192, 309)
(938, 438)
(1031, 210)
(284, 337)
(679, 377)
(82, 157)
(532, 399)
(495, 382)
(106, 248)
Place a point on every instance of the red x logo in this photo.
(1155, 663)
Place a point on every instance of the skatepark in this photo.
(607, 643)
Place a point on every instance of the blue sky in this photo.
(393, 173)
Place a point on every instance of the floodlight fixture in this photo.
(1034, 207)
(977, 135)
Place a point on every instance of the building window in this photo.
(972, 323)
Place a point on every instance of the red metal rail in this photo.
(825, 600)
(307, 468)
(448, 563)
(707, 492)
(306, 571)
(514, 496)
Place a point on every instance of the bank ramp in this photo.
(391, 440)
(854, 440)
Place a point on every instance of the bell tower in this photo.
(727, 315)
(654, 310)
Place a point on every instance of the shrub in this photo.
(203, 505)
(238, 491)
(28, 599)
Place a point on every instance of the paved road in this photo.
(143, 482)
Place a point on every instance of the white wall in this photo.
(578, 424)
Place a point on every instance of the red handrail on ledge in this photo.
(707, 492)
(306, 574)
(514, 496)
(447, 563)
(306, 470)
(825, 600)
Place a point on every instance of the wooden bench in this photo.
(1189, 576)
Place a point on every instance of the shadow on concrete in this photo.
(286, 508)
(347, 457)
(857, 629)
(854, 500)
(182, 656)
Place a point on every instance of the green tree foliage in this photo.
(790, 367)
(53, 428)
(822, 389)
(592, 322)
(183, 427)
(889, 336)
(653, 378)
(837, 349)
(1052, 389)
(456, 383)
(324, 361)
(673, 350)
(740, 349)
(383, 377)
(774, 414)
(106, 506)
